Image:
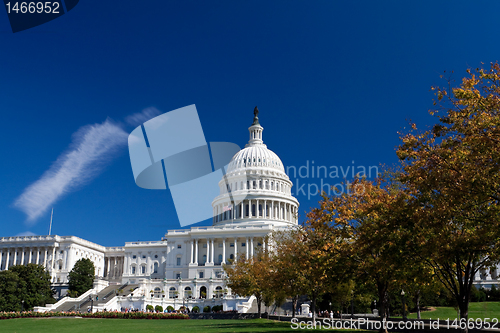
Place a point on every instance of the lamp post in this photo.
(352, 304)
(91, 299)
(404, 307)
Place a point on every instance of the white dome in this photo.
(255, 156)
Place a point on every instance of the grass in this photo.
(476, 310)
(75, 325)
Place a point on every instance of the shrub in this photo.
(217, 308)
(159, 308)
(195, 309)
(149, 308)
(206, 309)
(170, 308)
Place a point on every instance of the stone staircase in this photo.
(102, 297)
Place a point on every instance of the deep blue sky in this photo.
(334, 81)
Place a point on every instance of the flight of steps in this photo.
(103, 297)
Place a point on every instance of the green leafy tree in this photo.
(10, 291)
(81, 277)
(24, 287)
(35, 286)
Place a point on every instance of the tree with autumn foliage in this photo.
(368, 220)
(250, 277)
(454, 168)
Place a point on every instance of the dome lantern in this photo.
(255, 131)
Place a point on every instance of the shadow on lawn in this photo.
(267, 326)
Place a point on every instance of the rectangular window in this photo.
(218, 274)
(205, 245)
(200, 275)
(134, 256)
(178, 261)
(178, 276)
(220, 244)
(243, 244)
(231, 244)
(133, 269)
(179, 246)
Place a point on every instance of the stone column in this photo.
(208, 252)
(37, 255)
(15, 257)
(45, 259)
(192, 251)
(22, 256)
(29, 258)
(125, 263)
(272, 210)
(65, 259)
(241, 209)
(148, 263)
(257, 212)
(196, 252)
(53, 257)
(107, 266)
(212, 250)
(235, 249)
(223, 251)
(249, 208)
(264, 209)
(251, 247)
(1, 257)
(246, 248)
(7, 259)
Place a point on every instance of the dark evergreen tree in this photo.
(81, 277)
(35, 285)
(10, 291)
(24, 287)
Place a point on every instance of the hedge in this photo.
(119, 315)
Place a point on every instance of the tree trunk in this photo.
(259, 301)
(417, 302)
(294, 305)
(384, 303)
(463, 306)
(313, 307)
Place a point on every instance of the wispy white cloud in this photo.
(26, 233)
(137, 119)
(92, 147)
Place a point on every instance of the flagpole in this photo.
(51, 215)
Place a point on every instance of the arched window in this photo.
(231, 256)
(157, 292)
(133, 270)
(188, 292)
(155, 268)
(204, 259)
(218, 292)
(143, 269)
(203, 292)
(172, 292)
(220, 258)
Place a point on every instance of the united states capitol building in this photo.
(185, 267)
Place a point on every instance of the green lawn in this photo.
(476, 310)
(74, 325)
